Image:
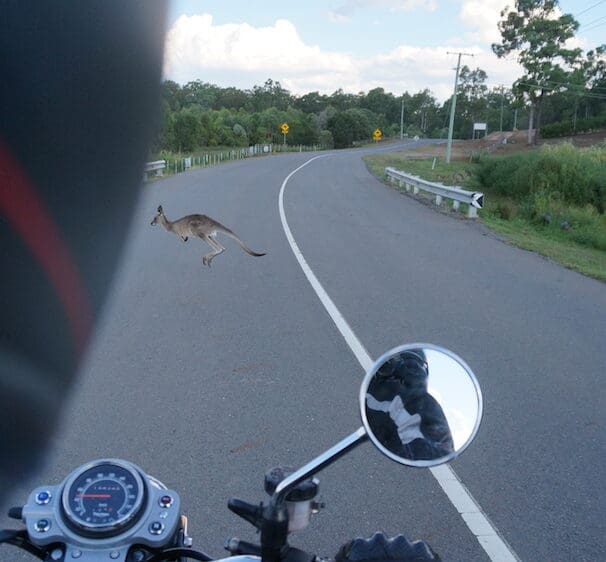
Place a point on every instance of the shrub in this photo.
(566, 128)
(505, 210)
(553, 173)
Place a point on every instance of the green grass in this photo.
(463, 174)
(521, 233)
(533, 222)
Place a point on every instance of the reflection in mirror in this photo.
(421, 404)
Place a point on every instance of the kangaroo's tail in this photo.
(239, 241)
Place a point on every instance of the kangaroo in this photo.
(203, 227)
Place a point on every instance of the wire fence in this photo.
(181, 163)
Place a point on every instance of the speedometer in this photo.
(103, 498)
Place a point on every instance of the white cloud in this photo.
(198, 49)
(482, 16)
(415, 68)
(243, 56)
(195, 43)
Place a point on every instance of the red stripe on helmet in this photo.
(27, 215)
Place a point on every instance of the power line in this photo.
(571, 85)
(550, 88)
(590, 8)
(594, 26)
(591, 22)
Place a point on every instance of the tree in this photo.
(472, 83)
(313, 102)
(342, 101)
(535, 32)
(172, 95)
(594, 69)
(343, 127)
(500, 109)
(472, 104)
(302, 128)
(231, 98)
(186, 130)
(422, 111)
(381, 103)
(271, 94)
(201, 94)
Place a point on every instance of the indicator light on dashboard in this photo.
(166, 501)
(156, 528)
(42, 525)
(42, 498)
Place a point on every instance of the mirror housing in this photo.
(421, 404)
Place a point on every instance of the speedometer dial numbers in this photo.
(104, 498)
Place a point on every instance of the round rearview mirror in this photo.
(421, 404)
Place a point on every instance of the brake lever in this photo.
(19, 538)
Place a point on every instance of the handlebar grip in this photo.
(380, 548)
(16, 513)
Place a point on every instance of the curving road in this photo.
(207, 377)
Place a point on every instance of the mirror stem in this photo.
(320, 462)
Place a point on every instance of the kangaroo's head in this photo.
(158, 215)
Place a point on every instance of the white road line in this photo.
(486, 533)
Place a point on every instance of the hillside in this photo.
(507, 142)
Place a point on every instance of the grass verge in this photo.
(574, 247)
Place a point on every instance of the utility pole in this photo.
(453, 105)
(502, 100)
(402, 120)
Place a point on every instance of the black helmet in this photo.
(410, 364)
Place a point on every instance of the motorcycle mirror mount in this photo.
(316, 465)
(421, 405)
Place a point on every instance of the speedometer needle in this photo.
(94, 496)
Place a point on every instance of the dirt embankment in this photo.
(507, 142)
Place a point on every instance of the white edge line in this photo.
(476, 520)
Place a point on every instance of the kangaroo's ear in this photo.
(159, 208)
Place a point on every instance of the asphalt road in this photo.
(207, 377)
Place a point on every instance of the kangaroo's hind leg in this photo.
(217, 249)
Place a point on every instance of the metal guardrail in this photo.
(474, 199)
(181, 164)
(158, 166)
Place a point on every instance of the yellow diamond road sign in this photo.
(284, 128)
(377, 134)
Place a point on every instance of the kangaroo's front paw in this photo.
(206, 261)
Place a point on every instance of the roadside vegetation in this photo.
(561, 91)
(550, 200)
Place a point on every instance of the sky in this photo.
(353, 45)
(455, 391)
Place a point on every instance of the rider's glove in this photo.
(379, 548)
(409, 426)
